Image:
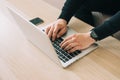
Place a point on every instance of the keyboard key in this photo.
(72, 54)
(78, 51)
(63, 55)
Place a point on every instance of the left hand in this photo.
(77, 41)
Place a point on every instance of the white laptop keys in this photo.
(52, 49)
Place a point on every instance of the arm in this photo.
(58, 28)
(69, 9)
(84, 40)
(109, 27)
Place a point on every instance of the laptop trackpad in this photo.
(69, 32)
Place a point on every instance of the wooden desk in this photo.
(20, 60)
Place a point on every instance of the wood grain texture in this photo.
(20, 60)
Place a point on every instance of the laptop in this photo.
(52, 49)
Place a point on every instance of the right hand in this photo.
(56, 29)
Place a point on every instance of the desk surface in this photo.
(20, 60)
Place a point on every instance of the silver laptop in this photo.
(52, 49)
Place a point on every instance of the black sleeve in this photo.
(69, 9)
(109, 27)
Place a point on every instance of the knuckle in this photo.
(60, 34)
(73, 39)
(66, 42)
(55, 32)
(48, 28)
(70, 45)
(72, 50)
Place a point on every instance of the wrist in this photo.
(62, 21)
(90, 38)
(93, 35)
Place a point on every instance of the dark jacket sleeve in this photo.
(108, 27)
(69, 9)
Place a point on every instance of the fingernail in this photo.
(68, 51)
(60, 45)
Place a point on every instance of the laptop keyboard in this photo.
(62, 54)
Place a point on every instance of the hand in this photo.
(77, 41)
(56, 29)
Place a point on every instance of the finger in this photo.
(61, 32)
(74, 49)
(47, 30)
(50, 32)
(67, 39)
(55, 31)
(70, 46)
(66, 43)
